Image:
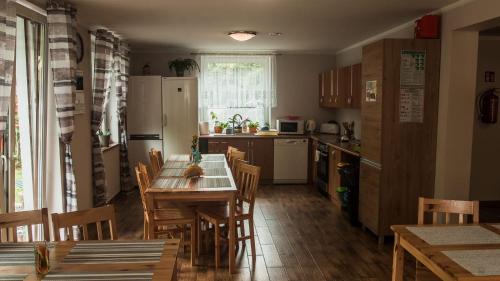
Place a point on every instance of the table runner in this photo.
(98, 276)
(176, 165)
(17, 254)
(172, 173)
(115, 252)
(455, 235)
(171, 183)
(477, 262)
(216, 172)
(213, 182)
(13, 277)
(212, 165)
(178, 157)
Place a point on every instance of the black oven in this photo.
(322, 168)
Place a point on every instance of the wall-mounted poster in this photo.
(412, 87)
(80, 94)
(371, 91)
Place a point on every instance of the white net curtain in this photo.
(243, 84)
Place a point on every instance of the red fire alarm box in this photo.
(428, 27)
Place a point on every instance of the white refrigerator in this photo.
(162, 113)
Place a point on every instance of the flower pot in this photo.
(238, 130)
(104, 141)
(179, 72)
(218, 130)
(252, 130)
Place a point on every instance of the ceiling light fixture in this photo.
(242, 35)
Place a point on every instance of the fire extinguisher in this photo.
(488, 106)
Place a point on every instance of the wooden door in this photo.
(333, 175)
(354, 100)
(262, 155)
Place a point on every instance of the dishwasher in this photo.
(290, 160)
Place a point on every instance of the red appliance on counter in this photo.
(428, 27)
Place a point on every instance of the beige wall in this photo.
(485, 178)
(297, 81)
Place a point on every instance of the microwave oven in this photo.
(290, 127)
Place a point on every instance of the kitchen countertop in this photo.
(332, 140)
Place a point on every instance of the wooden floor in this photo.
(301, 236)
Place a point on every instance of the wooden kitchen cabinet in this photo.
(313, 168)
(325, 89)
(334, 176)
(343, 87)
(262, 155)
(354, 98)
(398, 158)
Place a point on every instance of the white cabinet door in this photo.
(144, 112)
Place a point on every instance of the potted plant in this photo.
(104, 137)
(253, 126)
(181, 65)
(217, 125)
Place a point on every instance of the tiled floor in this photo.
(301, 236)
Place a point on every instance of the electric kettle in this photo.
(310, 126)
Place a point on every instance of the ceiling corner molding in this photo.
(32, 7)
(403, 26)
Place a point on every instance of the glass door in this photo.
(22, 147)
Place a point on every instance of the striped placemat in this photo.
(115, 252)
(171, 183)
(212, 165)
(179, 157)
(13, 277)
(176, 165)
(172, 172)
(477, 262)
(216, 172)
(455, 235)
(213, 157)
(111, 275)
(213, 182)
(17, 254)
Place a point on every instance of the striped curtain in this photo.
(121, 65)
(7, 54)
(103, 69)
(62, 31)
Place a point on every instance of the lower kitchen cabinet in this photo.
(259, 151)
(334, 176)
(369, 196)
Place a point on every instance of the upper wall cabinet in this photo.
(341, 87)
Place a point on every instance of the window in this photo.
(237, 84)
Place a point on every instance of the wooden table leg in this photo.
(398, 257)
(232, 236)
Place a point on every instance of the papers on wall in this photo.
(412, 86)
(371, 91)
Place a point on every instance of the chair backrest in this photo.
(448, 208)
(236, 168)
(235, 155)
(156, 161)
(148, 177)
(247, 181)
(142, 181)
(11, 221)
(85, 218)
(230, 150)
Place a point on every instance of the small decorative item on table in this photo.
(194, 170)
(42, 262)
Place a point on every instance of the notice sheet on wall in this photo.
(412, 87)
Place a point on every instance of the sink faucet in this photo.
(234, 119)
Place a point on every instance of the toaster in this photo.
(329, 128)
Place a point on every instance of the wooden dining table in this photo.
(216, 185)
(468, 252)
(93, 260)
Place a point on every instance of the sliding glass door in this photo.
(22, 147)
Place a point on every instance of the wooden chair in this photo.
(235, 155)
(165, 217)
(230, 150)
(68, 221)
(248, 181)
(11, 221)
(156, 161)
(450, 209)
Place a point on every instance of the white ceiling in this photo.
(308, 26)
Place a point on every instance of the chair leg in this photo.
(252, 238)
(151, 230)
(146, 231)
(193, 243)
(198, 235)
(217, 245)
(242, 225)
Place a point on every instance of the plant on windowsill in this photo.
(104, 137)
(182, 65)
(253, 126)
